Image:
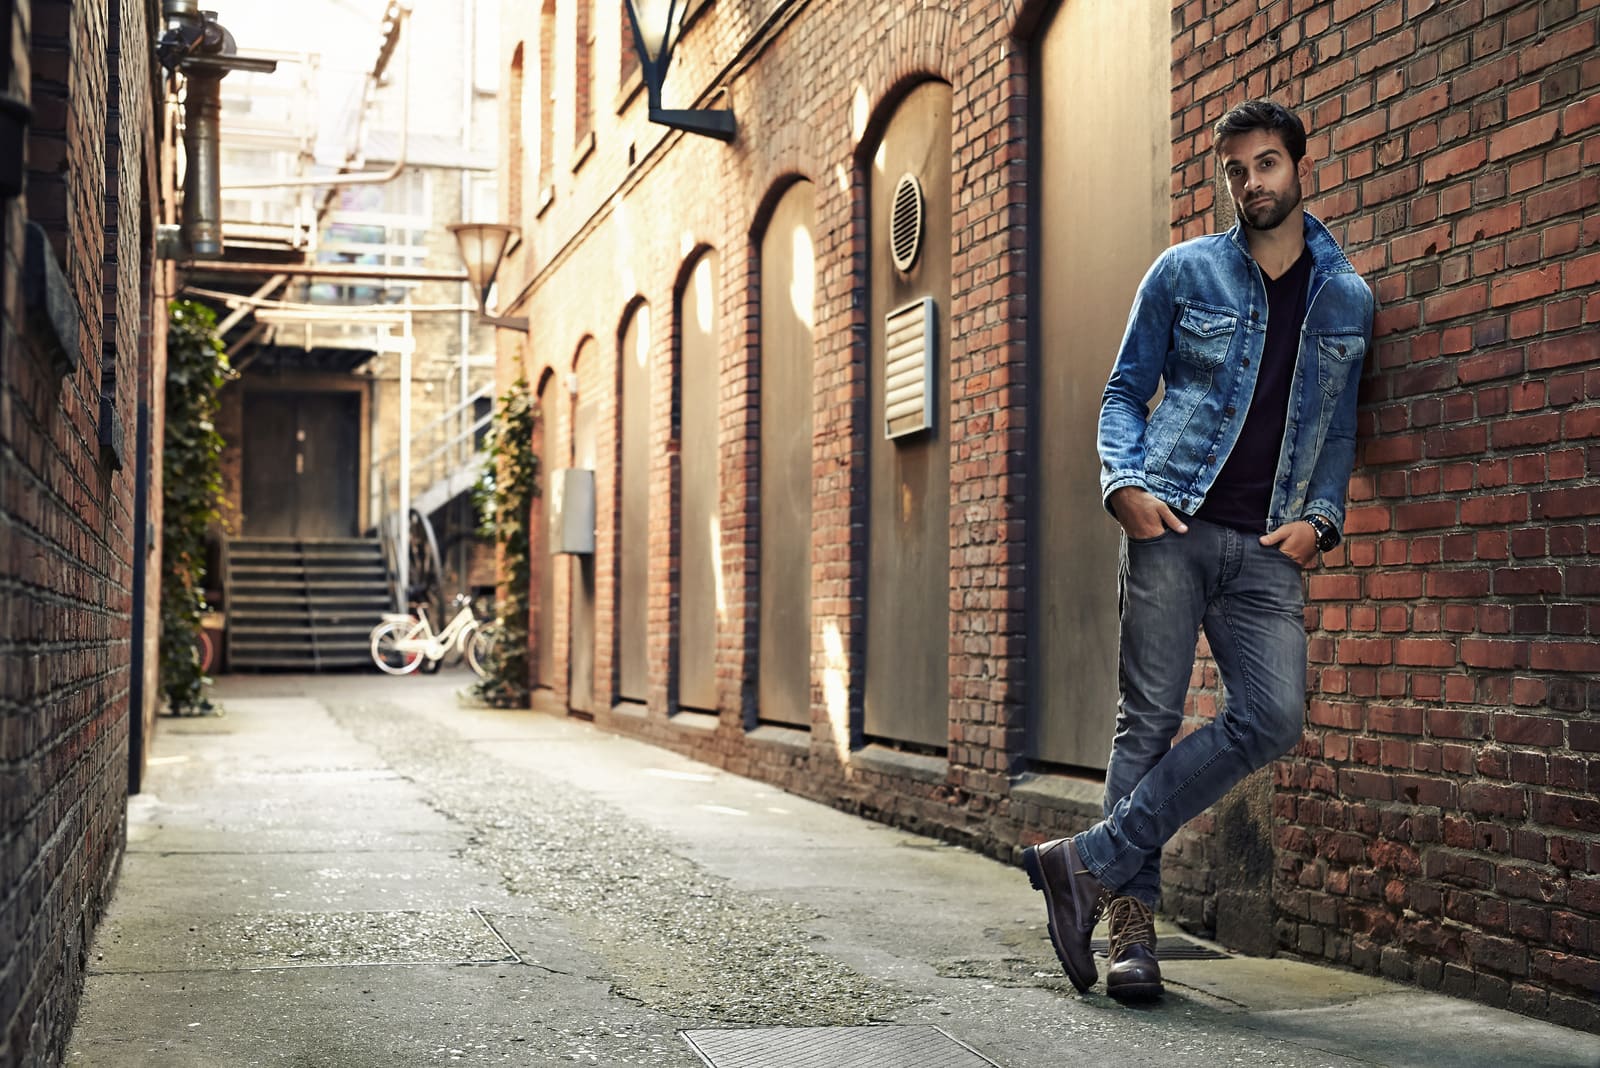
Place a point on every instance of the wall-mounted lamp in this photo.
(482, 247)
(657, 25)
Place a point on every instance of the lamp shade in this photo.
(482, 246)
(653, 18)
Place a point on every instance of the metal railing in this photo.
(444, 452)
(446, 459)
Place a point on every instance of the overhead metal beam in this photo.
(244, 309)
(326, 270)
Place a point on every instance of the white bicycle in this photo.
(403, 643)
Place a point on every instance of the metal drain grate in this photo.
(1172, 947)
(834, 1047)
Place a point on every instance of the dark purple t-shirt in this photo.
(1242, 493)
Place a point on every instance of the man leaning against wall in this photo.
(1225, 493)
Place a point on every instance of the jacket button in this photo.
(1228, 410)
(1247, 361)
(1212, 458)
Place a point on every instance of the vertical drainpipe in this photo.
(463, 545)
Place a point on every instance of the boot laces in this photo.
(1131, 923)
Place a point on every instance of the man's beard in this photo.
(1268, 211)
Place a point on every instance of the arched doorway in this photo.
(788, 397)
(1099, 228)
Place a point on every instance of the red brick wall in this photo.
(1391, 92)
(67, 507)
(1438, 823)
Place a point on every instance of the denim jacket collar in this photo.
(1327, 258)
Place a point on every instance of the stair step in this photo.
(305, 648)
(258, 632)
(305, 604)
(366, 600)
(306, 664)
(298, 613)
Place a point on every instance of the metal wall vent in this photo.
(908, 349)
(905, 222)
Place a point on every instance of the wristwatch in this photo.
(1327, 534)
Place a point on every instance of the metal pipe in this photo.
(376, 272)
(469, 79)
(258, 302)
(404, 550)
(202, 146)
(242, 308)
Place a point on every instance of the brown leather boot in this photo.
(1073, 899)
(1133, 974)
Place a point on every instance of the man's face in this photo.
(1264, 183)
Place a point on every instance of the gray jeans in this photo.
(1249, 601)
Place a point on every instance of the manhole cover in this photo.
(834, 1047)
(1172, 947)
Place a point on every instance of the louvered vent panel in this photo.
(905, 223)
(908, 369)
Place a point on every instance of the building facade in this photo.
(83, 184)
(837, 381)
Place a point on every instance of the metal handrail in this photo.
(442, 449)
(452, 414)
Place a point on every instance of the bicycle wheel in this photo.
(390, 659)
(482, 648)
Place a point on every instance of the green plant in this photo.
(504, 498)
(191, 472)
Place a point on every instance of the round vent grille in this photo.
(905, 223)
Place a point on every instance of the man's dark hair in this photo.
(1263, 115)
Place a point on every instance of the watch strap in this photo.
(1327, 535)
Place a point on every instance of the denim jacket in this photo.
(1198, 325)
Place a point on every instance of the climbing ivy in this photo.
(191, 472)
(504, 497)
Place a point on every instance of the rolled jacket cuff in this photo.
(1111, 483)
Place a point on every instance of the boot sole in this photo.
(1137, 991)
(1030, 864)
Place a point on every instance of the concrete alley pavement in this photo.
(354, 870)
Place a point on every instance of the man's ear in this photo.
(1305, 169)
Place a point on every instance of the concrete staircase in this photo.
(303, 604)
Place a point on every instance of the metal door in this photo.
(699, 584)
(585, 425)
(1100, 226)
(633, 564)
(545, 640)
(908, 565)
(301, 464)
(788, 291)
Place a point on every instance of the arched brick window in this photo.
(516, 148)
(547, 94)
(583, 64)
(629, 54)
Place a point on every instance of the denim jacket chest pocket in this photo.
(1204, 335)
(1338, 356)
